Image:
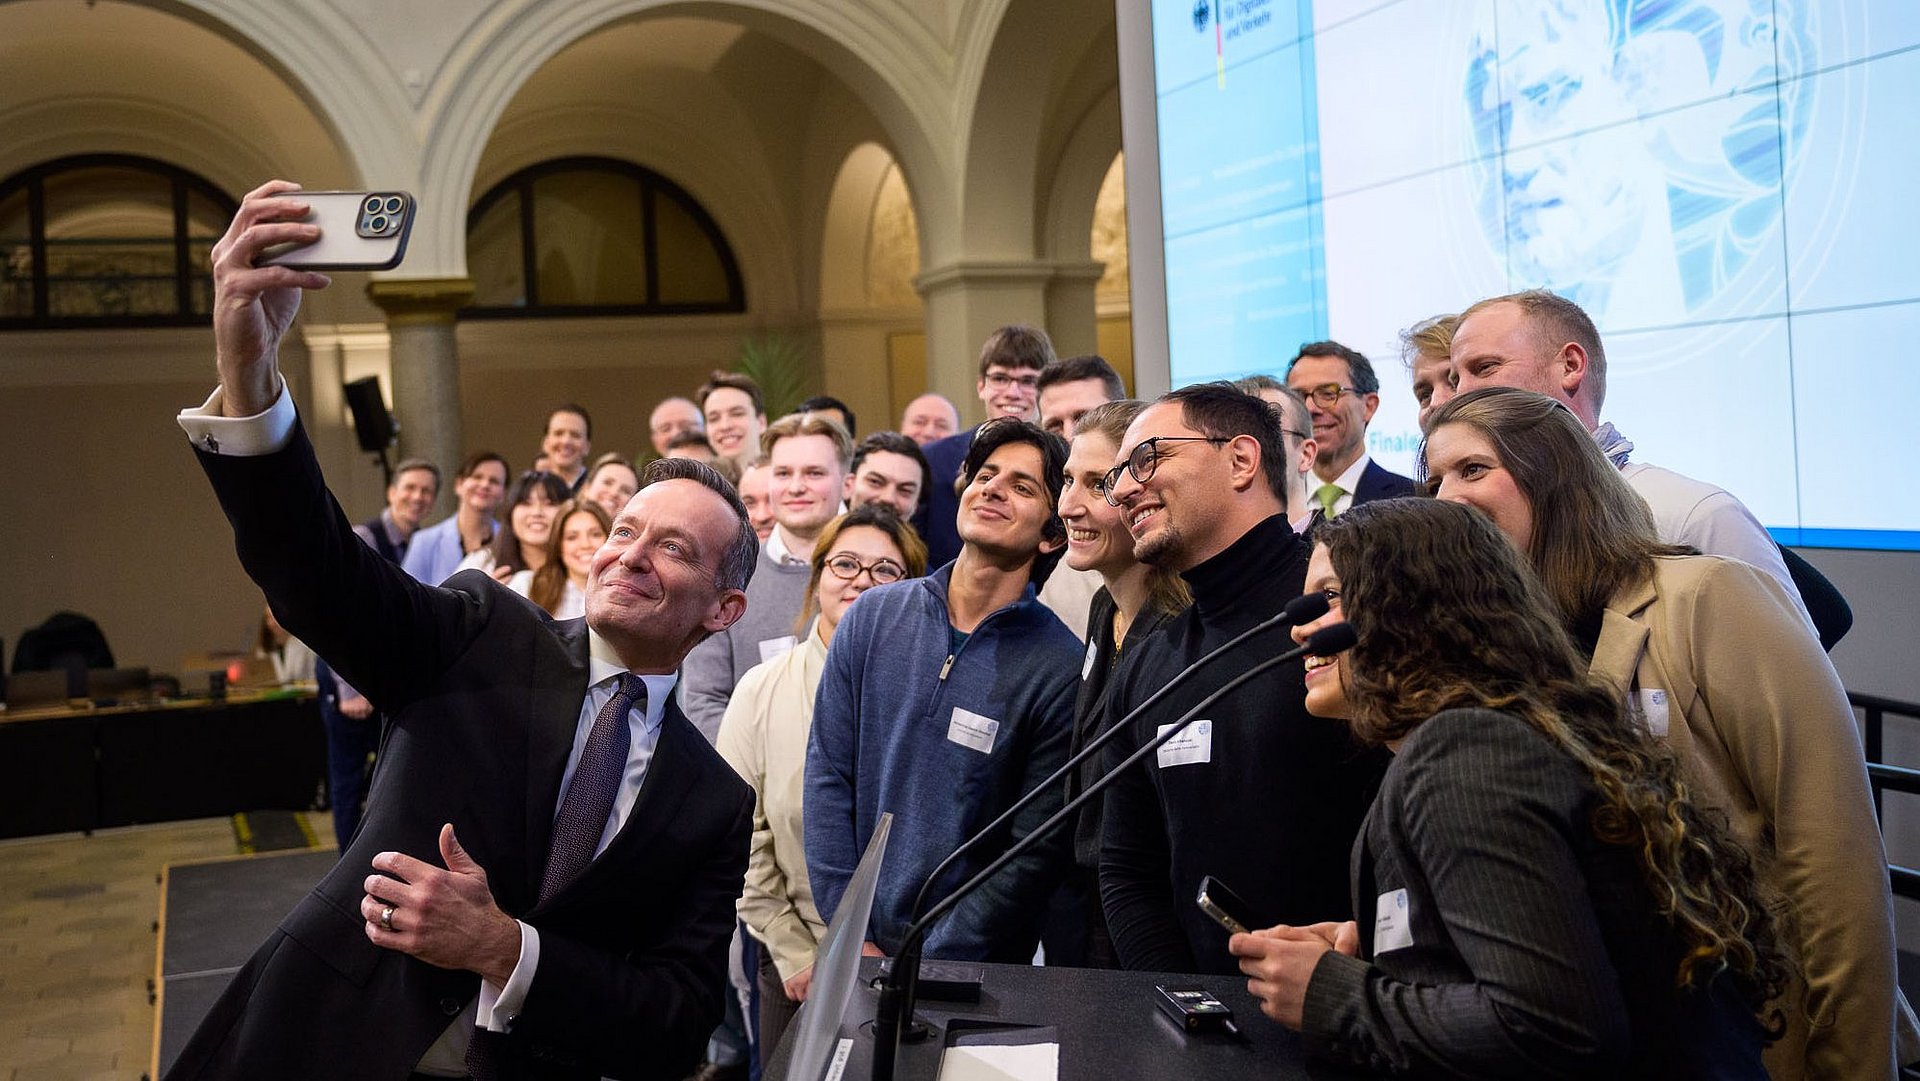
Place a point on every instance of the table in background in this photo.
(85, 769)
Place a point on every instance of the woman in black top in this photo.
(1535, 893)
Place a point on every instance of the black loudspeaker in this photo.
(372, 424)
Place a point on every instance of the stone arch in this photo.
(846, 271)
(136, 78)
(514, 39)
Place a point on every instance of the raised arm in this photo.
(374, 625)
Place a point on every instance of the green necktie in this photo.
(1327, 495)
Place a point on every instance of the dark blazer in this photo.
(944, 459)
(1532, 949)
(1377, 482)
(484, 693)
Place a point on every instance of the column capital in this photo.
(413, 301)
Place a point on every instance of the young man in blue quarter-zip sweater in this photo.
(943, 701)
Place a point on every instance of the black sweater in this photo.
(1274, 810)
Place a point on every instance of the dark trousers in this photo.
(776, 1009)
(350, 744)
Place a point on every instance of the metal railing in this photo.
(1882, 777)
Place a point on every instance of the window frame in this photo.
(653, 186)
(182, 183)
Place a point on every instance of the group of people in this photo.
(1586, 797)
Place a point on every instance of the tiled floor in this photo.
(77, 946)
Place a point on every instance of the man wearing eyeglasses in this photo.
(945, 699)
(1009, 386)
(1342, 394)
(1257, 791)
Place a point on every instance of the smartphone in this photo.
(359, 230)
(1226, 908)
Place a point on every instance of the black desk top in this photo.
(1108, 1026)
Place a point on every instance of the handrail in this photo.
(1881, 776)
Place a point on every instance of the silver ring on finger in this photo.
(386, 917)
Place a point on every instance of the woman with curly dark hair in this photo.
(1715, 659)
(1539, 897)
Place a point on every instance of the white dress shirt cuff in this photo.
(244, 437)
(500, 1006)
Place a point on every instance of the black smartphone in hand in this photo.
(1227, 908)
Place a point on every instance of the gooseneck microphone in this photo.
(1305, 608)
(895, 1009)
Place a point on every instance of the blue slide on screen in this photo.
(1725, 185)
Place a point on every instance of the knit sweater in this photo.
(945, 740)
(1268, 800)
(775, 595)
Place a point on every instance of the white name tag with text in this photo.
(1392, 929)
(776, 647)
(972, 731)
(1190, 748)
(1086, 667)
(1650, 705)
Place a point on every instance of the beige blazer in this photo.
(1715, 656)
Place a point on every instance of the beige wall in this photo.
(107, 514)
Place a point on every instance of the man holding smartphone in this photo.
(544, 881)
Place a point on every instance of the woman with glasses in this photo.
(764, 737)
(522, 546)
(1534, 892)
(1713, 657)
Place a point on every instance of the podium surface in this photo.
(1106, 1023)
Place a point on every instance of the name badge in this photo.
(1191, 747)
(1086, 667)
(776, 647)
(1649, 706)
(1392, 930)
(972, 731)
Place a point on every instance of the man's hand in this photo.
(446, 918)
(254, 306)
(1278, 962)
(357, 708)
(1343, 937)
(801, 983)
(868, 949)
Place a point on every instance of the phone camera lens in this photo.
(393, 204)
(373, 205)
(378, 224)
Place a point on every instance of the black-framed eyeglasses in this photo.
(1327, 394)
(1145, 458)
(882, 571)
(1001, 380)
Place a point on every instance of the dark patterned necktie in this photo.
(589, 799)
(577, 828)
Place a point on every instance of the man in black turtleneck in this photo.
(1258, 793)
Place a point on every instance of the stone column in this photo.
(426, 366)
(1073, 319)
(966, 301)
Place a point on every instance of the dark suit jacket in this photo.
(944, 459)
(1532, 948)
(484, 693)
(1377, 482)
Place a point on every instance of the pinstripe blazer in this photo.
(1504, 938)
